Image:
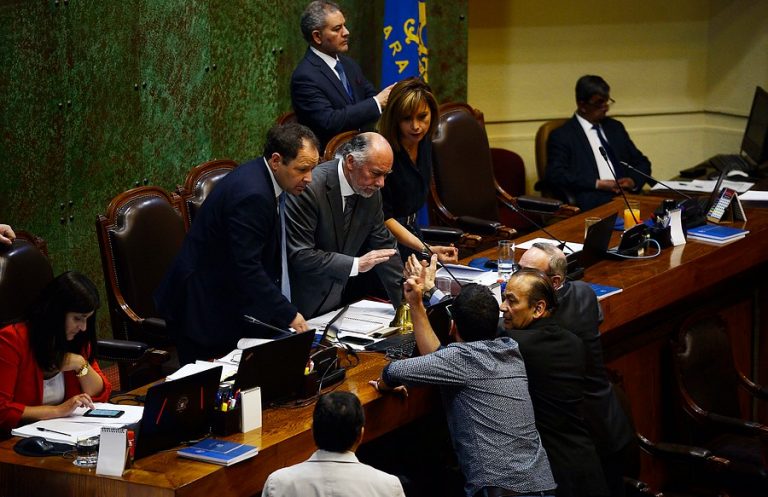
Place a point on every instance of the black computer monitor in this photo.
(755, 141)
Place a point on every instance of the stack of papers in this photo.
(467, 274)
(365, 318)
(219, 452)
(719, 235)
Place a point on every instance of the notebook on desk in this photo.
(177, 411)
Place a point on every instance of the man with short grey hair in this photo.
(336, 229)
(329, 92)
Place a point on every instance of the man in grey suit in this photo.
(336, 228)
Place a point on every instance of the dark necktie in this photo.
(349, 208)
(608, 150)
(344, 80)
(285, 287)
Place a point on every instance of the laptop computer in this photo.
(404, 344)
(177, 411)
(276, 367)
(599, 236)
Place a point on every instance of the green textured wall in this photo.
(98, 96)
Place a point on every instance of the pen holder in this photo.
(662, 235)
(225, 422)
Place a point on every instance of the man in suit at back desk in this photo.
(329, 92)
(233, 259)
(574, 160)
(336, 229)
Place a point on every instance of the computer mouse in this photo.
(736, 172)
(39, 446)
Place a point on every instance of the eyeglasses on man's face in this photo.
(600, 102)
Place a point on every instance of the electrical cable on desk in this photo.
(640, 257)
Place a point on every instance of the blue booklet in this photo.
(716, 232)
(219, 451)
(604, 291)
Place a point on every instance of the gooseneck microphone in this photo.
(426, 247)
(281, 333)
(560, 244)
(621, 190)
(648, 176)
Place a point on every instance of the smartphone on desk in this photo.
(103, 413)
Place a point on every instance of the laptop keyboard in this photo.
(730, 162)
(396, 346)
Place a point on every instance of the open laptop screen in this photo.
(177, 411)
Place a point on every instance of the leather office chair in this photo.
(287, 117)
(24, 271)
(509, 173)
(707, 385)
(139, 236)
(199, 183)
(464, 191)
(336, 142)
(542, 185)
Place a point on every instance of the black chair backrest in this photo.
(24, 272)
(200, 182)
(705, 365)
(463, 168)
(139, 237)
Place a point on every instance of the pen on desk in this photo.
(40, 428)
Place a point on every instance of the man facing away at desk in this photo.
(334, 470)
(574, 160)
(555, 365)
(483, 384)
(579, 312)
(233, 260)
(329, 92)
(336, 230)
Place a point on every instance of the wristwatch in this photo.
(428, 294)
(82, 371)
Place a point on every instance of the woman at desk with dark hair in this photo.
(408, 122)
(47, 368)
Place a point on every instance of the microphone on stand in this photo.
(648, 176)
(574, 271)
(621, 190)
(692, 211)
(280, 333)
(426, 247)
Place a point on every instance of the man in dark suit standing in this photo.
(230, 264)
(579, 311)
(328, 90)
(555, 363)
(336, 230)
(574, 160)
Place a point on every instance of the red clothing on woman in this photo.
(21, 379)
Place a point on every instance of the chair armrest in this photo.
(442, 234)
(637, 488)
(736, 425)
(118, 350)
(756, 390)
(129, 351)
(154, 325)
(477, 225)
(538, 204)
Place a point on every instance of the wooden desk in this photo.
(284, 439)
(658, 294)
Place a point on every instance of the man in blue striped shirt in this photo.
(485, 394)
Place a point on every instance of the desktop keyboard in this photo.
(730, 162)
